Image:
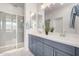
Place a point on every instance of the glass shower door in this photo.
(20, 31)
(1, 41)
(7, 34)
(11, 31)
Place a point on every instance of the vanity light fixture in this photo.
(61, 3)
(32, 14)
(48, 5)
(43, 6)
(53, 3)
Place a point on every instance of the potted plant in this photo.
(46, 31)
(47, 26)
(52, 29)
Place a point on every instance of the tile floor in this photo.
(17, 52)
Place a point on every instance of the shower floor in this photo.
(17, 52)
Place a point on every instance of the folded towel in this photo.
(74, 13)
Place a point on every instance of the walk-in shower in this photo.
(11, 31)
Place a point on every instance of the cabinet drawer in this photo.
(60, 53)
(60, 46)
(38, 38)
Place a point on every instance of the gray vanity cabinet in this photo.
(30, 42)
(40, 50)
(44, 47)
(33, 44)
(77, 51)
(48, 51)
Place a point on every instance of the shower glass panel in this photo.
(11, 31)
(20, 31)
(1, 43)
(7, 34)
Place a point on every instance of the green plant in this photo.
(52, 29)
(46, 31)
(47, 26)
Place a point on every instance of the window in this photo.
(14, 25)
(0, 24)
(8, 24)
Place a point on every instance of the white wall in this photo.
(29, 8)
(62, 12)
(8, 8)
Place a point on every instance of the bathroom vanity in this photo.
(53, 45)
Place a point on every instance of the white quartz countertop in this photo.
(68, 39)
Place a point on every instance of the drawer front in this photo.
(33, 44)
(60, 53)
(40, 48)
(38, 38)
(60, 46)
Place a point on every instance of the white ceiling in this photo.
(52, 7)
(18, 5)
(55, 6)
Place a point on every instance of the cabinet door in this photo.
(76, 51)
(60, 46)
(48, 51)
(32, 44)
(60, 53)
(39, 50)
